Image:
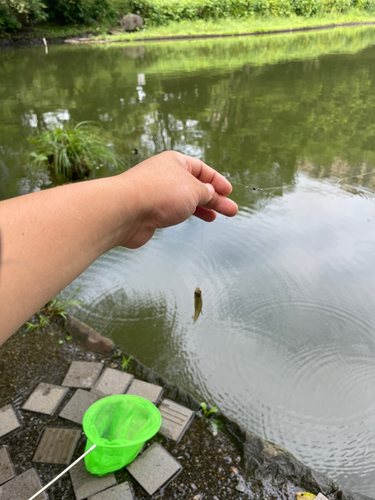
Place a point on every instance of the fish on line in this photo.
(197, 304)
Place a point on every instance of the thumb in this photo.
(206, 193)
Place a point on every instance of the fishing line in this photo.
(288, 185)
(200, 253)
(256, 188)
(351, 176)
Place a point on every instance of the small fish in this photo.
(197, 304)
(305, 496)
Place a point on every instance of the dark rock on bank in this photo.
(87, 337)
(131, 22)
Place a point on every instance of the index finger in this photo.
(207, 174)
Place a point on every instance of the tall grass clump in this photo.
(71, 152)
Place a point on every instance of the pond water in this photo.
(286, 344)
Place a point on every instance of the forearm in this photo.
(50, 237)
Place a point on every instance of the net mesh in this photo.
(118, 426)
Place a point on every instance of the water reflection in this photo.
(286, 341)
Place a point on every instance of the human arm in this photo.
(50, 237)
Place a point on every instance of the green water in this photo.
(286, 344)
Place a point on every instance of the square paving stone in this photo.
(57, 446)
(6, 467)
(8, 420)
(82, 374)
(86, 484)
(112, 382)
(78, 404)
(175, 419)
(22, 487)
(119, 492)
(45, 399)
(154, 468)
(146, 390)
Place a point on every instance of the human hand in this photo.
(170, 187)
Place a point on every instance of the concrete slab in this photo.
(154, 469)
(8, 420)
(175, 419)
(112, 382)
(119, 492)
(146, 390)
(45, 399)
(57, 446)
(78, 404)
(82, 374)
(6, 466)
(86, 484)
(22, 487)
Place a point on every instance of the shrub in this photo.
(307, 8)
(8, 22)
(15, 13)
(80, 11)
(336, 5)
(71, 152)
(368, 5)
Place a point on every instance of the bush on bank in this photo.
(159, 12)
(14, 14)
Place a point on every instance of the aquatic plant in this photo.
(216, 425)
(125, 364)
(207, 413)
(55, 308)
(71, 152)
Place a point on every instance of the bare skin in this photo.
(50, 237)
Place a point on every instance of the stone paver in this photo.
(112, 382)
(78, 404)
(146, 390)
(22, 487)
(86, 484)
(57, 446)
(119, 492)
(175, 419)
(82, 374)
(8, 420)
(45, 399)
(154, 468)
(6, 467)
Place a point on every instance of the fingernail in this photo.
(211, 189)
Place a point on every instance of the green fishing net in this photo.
(119, 426)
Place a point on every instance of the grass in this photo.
(55, 308)
(125, 362)
(71, 152)
(229, 26)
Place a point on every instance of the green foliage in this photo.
(125, 362)
(71, 152)
(336, 5)
(159, 12)
(8, 21)
(207, 413)
(55, 308)
(368, 5)
(15, 13)
(80, 11)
